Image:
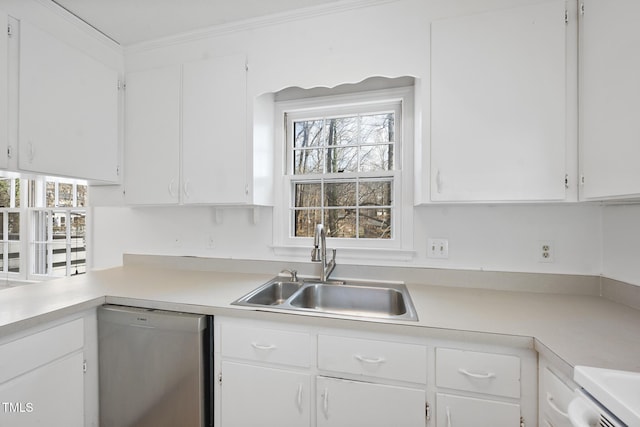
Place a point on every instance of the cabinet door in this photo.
(610, 88)
(498, 105)
(214, 131)
(152, 136)
(459, 411)
(51, 395)
(352, 403)
(4, 90)
(260, 396)
(68, 110)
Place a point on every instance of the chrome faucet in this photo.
(319, 253)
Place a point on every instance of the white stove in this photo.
(608, 398)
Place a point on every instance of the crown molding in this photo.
(254, 23)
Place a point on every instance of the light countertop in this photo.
(576, 329)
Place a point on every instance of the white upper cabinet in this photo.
(186, 136)
(610, 88)
(68, 121)
(499, 105)
(4, 89)
(214, 131)
(152, 136)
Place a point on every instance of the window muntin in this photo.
(10, 248)
(342, 171)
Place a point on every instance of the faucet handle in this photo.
(333, 254)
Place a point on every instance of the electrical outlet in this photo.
(438, 248)
(546, 251)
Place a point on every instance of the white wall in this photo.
(621, 243)
(389, 39)
(495, 238)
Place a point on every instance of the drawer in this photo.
(266, 345)
(381, 359)
(555, 399)
(461, 411)
(486, 373)
(33, 351)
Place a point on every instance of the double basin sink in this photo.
(376, 300)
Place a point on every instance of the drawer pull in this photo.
(478, 376)
(299, 398)
(262, 346)
(555, 407)
(373, 361)
(325, 402)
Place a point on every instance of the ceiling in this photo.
(134, 21)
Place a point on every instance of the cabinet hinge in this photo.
(427, 411)
(118, 170)
(566, 16)
(84, 366)
(9, 152)
(521, 422)
(566, 181)
(121, 85)
(582, 179)
(582, 9)
(10, 30)
(220, 378)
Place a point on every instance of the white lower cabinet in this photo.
(463, 411)
(52, 394)
(48, 375)
(286, 374)
(556, 392)
(258, 395)
(346, 403)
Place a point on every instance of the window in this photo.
(343, 172)
(10, 247)
(346, 164)
(58, 242)
(43, 230)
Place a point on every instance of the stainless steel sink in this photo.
(360, 299)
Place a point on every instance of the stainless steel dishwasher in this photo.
(155, 368)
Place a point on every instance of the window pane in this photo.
(308, 195)
(376, 158)
(14, 257)
(307, 133)
(305, 222)
(14, 226)
(340, 223)
(78, 243)
(59, 225)
(341, 131)
(2, 236)
(340, 194)
(51, 194)
(378, 128)
(81, 195)
(375, 223)
(375, 193)
(65, 195)
(307, 161)
(17, 193)
(5, 193)
(343, 159)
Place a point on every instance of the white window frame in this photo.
(400, 246)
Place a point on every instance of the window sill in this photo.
(345, 255)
